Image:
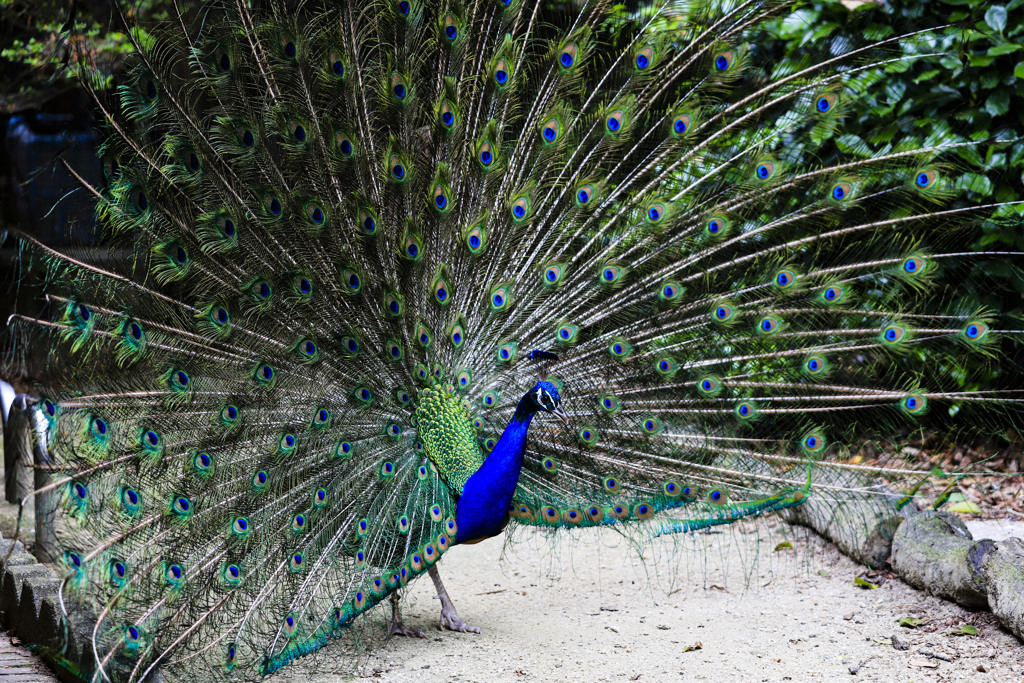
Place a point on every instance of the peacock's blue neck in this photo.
(482, 510)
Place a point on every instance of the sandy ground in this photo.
(590, 607)
(723, 607)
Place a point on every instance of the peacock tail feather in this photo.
(347, 237)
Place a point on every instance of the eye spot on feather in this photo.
(925, 178)
(614, 122)
(98, 426)
(914, 404)
(416, 562)
(746, 410)
(763, 171)
(894, 334)
(643, 511)
(841, 191)
(975, 331)
(643, 59)
(430, 553)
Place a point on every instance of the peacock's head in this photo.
(544, 396)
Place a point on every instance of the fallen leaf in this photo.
(911, 622)
(783, 545)
(864, 584)
(965, 630)
(691, 648)
(965, 507)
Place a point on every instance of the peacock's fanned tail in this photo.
(319, 209)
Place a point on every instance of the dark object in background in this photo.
(49, 201)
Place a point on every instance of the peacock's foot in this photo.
(397, 628)
(450, 620)
(449, 617)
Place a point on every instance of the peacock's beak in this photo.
(560, 414)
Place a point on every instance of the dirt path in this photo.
(591, 611)
(18, 665)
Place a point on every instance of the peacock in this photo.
(390, 276)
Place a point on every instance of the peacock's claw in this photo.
(450, 620)
(397, 628)
(449, 617)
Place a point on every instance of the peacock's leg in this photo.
(449, 617)
(397, 628)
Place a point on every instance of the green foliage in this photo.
(42, 54)
(974, 93)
